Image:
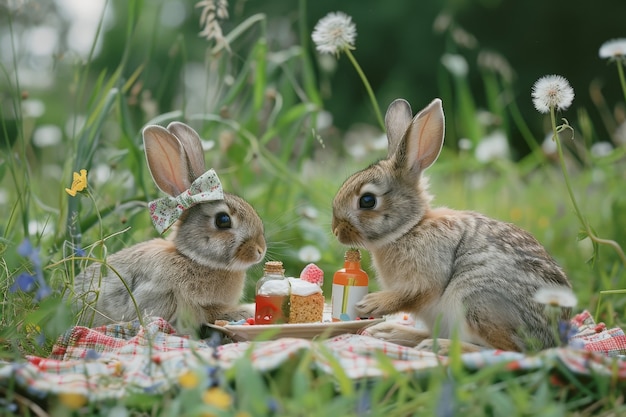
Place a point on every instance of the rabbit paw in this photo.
(442, 347)
(236, 315)
(396, 333)
(242, 313)
(376, 304)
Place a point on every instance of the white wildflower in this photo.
(614, 48)
(492, 147)
(334, 33)
(552, 91)
(601, 149)
(549, 145)
(465, 144)
(556, 297)
(309, 253)
(456, 64)
(308, 212)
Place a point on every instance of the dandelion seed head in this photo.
(556, 297)
(615, 48)
(334, 33)
(552, 91)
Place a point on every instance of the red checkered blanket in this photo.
(112, 361)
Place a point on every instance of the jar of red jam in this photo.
(272, 295)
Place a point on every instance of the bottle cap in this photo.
(274, 267)
(353, 255)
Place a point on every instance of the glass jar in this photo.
(350, 285)
(272, 295)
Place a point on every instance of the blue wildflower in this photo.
(27, 282)
(364, 403)
(215, 377)
(273, 406)
(445, 405)
(91, 354)
(41, 338)
(6, 405)
(24, 282)
(566, 334)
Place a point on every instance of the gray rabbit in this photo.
(458, 270)
(194, 276)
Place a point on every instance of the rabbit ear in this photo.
(166, 159)
(422, 142)
(397, 121)
(192, 146)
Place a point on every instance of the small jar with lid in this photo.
(272, 295)
(350, 285)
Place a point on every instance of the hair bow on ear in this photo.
(165, 211)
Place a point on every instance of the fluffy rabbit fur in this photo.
(195, 276)
(473, 275)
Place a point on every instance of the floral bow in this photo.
(165, 211)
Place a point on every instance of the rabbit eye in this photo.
(222, 221)
(367, 201)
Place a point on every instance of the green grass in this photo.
(260, 103)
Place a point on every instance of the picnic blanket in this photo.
(115, 360)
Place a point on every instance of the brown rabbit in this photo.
(195, 276)
(458, 270)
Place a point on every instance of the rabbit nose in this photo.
(261, 247)
(260, 251)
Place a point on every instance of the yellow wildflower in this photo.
(118, 369)
(217, 397)
(79, 183)
(72, 400)
(188, 380)
(32, 328)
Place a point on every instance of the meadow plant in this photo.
(335, 34)
(615, 51)
(550, 94)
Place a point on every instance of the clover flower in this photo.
(27, 282)
(552, 91)
(613, 49)
(79, 183)
(556, 297)
(334, 33)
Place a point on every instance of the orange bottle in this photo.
(350, 285)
